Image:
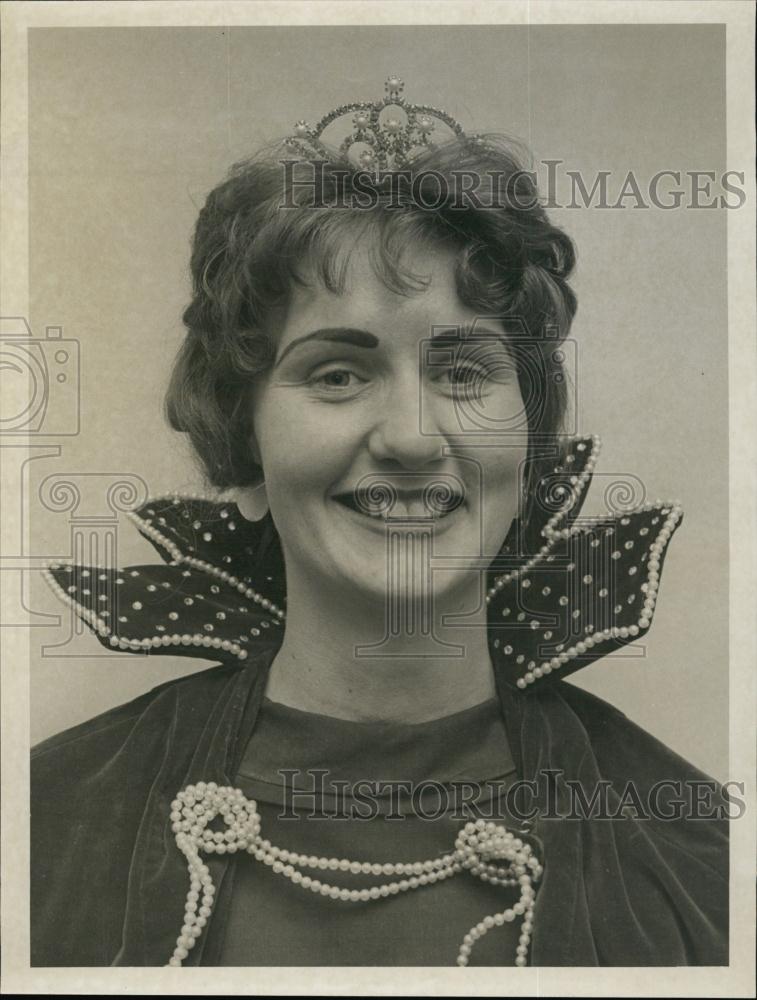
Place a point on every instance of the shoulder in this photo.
(654, 830)
(95, 790)
(684, 811)
(143, 719)
(622, 745)
(606, 753)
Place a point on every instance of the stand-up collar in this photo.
(564, 590)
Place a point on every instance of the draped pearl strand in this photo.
(487, 850)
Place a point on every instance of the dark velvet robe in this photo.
(109, 885)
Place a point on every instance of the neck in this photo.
(337, 660)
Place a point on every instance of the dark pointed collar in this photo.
(564, 590)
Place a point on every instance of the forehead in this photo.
(367, 302)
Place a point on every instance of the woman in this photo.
(387, 768)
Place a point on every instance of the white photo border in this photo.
(735, 980)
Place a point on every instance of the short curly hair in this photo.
(249, 253)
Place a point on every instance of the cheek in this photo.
(301, 450)
(501, 479)
(504, 461)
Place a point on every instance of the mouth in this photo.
(390, 505)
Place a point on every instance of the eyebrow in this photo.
(335, 334)
(362, 338)
(451, 335)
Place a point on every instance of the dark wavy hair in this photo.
(249, 253)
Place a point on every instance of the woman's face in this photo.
(375, 394)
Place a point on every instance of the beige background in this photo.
(129, 128)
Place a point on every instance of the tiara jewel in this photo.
(384, 135)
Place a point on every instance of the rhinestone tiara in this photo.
(388, 141)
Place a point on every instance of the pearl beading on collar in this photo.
(651, 587)
(195, 639)
(135, 645)
(487, 850)
(671, 511)
(146, 527)
(550, 531)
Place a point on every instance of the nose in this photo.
(406, 431)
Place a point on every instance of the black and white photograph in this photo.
(378, 498)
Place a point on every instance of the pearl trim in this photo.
(550, 531)
(146, 528)
(480, 847)
(650, 587)
(135, 645)
(554, 534)
(198, 640)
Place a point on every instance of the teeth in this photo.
(409, 508)
(405, 507)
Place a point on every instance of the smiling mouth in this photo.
(415, 505)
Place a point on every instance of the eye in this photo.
(480, 375)
(335, 380)
(463, 374)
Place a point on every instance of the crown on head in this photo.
(386, 139)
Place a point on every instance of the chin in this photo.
(388, 560)
(403, 576)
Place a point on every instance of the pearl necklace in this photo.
(479, 847)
